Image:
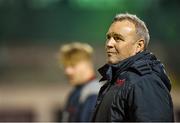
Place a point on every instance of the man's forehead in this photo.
(122, 26)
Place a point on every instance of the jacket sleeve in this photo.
(87, 108)
(149, 100)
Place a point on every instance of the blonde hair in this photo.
(141, 29)
(72, 53)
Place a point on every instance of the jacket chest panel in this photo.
(105, 105)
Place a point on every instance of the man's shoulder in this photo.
(133, 79)
(92, 88)
(138, 72)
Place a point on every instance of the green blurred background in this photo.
(31, 32)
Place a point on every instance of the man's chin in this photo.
(75, 83)
(109, 61)
(71, 82)
(112, 61)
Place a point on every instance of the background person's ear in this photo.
(140, 45)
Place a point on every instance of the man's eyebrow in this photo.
(119, 35)
(108, 34)
(114, 34)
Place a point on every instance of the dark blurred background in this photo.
(32, 85)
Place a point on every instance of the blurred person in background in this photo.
(137, 87)
(76, 59)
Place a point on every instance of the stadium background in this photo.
(32, 85)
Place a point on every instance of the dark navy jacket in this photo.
(137, 89)
(80, 104)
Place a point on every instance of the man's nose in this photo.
(110, 42)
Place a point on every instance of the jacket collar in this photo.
(108, 71)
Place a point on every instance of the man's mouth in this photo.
(109, 52)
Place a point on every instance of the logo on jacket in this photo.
(120, 82)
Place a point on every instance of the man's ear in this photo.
(140, 45)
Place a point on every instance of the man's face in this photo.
(75, 72)
(121, 41)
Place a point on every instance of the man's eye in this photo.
(117, 38)
(108, 37)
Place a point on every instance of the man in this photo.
(77, 61)
(137, 87)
